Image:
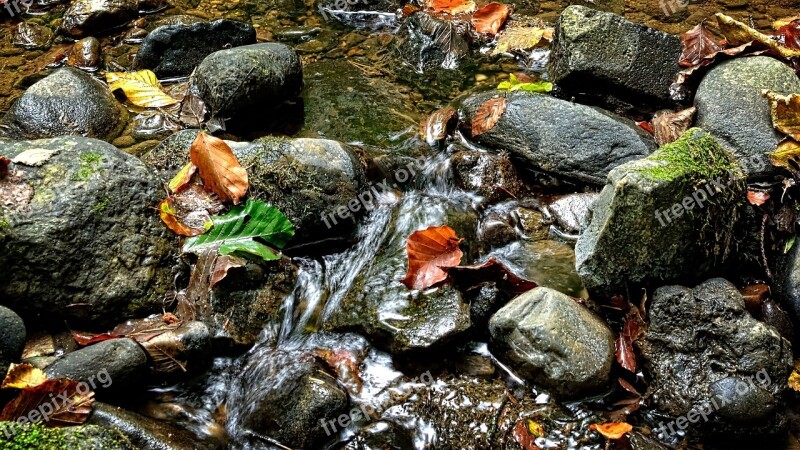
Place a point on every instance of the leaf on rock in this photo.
(35, 157)
(525, 436)
(612, 430)
(789, 34)
(668, 128)
(757, 198)
(514, 84)
(430, 253)
(632, 330)
(487, 115)
(438, 123)
(522, 38)
(188, 212)
(182, 178)
(242, 230)
(165, 350)
(453, 7)
(490, 18)
(23, 376)
(222, 265)
(787, 155)
(737, 33)
(84, 338)
(491, 270)
(75, 410)
(785, 111)
(219, 169)
(141, 88)
(794, 378)
(699, 45)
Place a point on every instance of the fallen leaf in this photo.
(345, 364)
(669, 127)
(783, 21)
(188, 213)
(430, 253)
(453, 7)
(612, 430)
(23, 376)
(182, 178)
(219, 169)
(646, 126)
(754, 295)
(141, 88)
(166, 351)
(84, 338)
(632, 330)
(223, 265)
(794, 378)
(737, 33)
(785, 111)
(789, 34)
(490, 18)
(34, 157)
(514, 84)
(168, 214)
(67, 401)
(699, 45)
(757, 198)
(487, 115)
(524, 436)
(522, 38)
(491, 270)
(787, 155)
(438, 123)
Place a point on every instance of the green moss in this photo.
(100, 207)
(696, 155)
(89, 164)
(15, 436)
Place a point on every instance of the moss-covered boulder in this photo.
(664, 218)
(15, 436)
(79, 237)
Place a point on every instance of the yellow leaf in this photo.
(142, 88)
(521, 38)
(794, 378)
(785, 113)
(183, 177)
(23, 376)
(787, 155)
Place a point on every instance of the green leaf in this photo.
(240, 230)
(789, 244)
(515, 85)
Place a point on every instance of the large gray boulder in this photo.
(603, 53)
(79, 238)
(707, 354)
(87, 17)
(665, 218)
(12, 338)
(731, 107)
(67, 102)
(567, 139)
(551, 340)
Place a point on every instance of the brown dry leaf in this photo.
(35, 157)
(430, 253)
(668, 128)
(737, 33)
(453, 7)
(23, 376)
(490, 18)
(75, 410)
(699, 45)
(438, 123)
(487, 115)
(632, 330)
(522, 38)
(219, 169)
(222, 265)
(4, 163)
(787, 155)
(754, 295)
(166, 351)
(189, 212)
(757, 198)
(785, 111)
(491, 270)
(612, 430)
(525, 433)
(789, 34)
(182, 178)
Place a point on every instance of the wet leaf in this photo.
(785, 110)
(453, 7)
(669, 127)
(789, 34)
(737, 33)
(23, 376)
(490, 18)
(168, 214)
(75, 410)
(699, 45)
(757, 198)
(165, 351)
(182, 178)
(4, 163)
(219, 169)
(223, 265)
(632, 330)
(492, 270)
(487, 115)
(646, 126)
(345, 364)
(430, 253)
(438, 123)
(35, 157)
(787, 155)
(754, 295)
(524, 436)
(141, 88)
(84, 338)
(522, 38)
(188, 212)
(794, 378)
(612, 430)
(242, 230)
(514, 84)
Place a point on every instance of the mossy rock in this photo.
(15, 436)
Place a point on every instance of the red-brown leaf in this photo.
(490, 18)
(669, 127)
(84, 338)
(789, 34)
(631, 331)
(524, 437)
(491, 270)
(487, 115)
(222, 265)
(757, 198)
(4, 162)
(453, 7)
(698, 45)
(646, 126)
(219, 169)
(74, 411)
(430, 253)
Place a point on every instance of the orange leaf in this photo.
(430, 252)
(453, 7)
(219, 169)
(487, 115)
(490, 18)
(757, 198)
(222, 265)
(169, 216)
(69, 404)
(612, 430)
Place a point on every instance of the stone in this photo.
(730, 107)
(87, 17)
(32, 36)
(551, 340)
(665, 218)
(67, 102)
(112, 366)
(12, 338)
(382, 435)
(175, 50)
(85, 54)
(566, 139)
(79, 239)
(572, 211)
(606, 54)
(493, 177)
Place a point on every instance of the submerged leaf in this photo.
(492, 270)
(490, 18)
(430, 253)
(218, 168)
(23, 376)
(699, 45)
(514, 84)
(141, 88)
(487, 115)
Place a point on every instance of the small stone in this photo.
(84, 54)
(115, 365)
(86, 17)
(12, 338)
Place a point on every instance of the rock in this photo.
(613, 56)
(286, 396)
(549, 263)
(702, 345)
(572, 211)
(787, 281)
(664, 218)
(83, 437)
(79, 239)
(430, 318)
(382, 435)
(112, 366)
(509, 221)
(180, 353)
(551, 340)
(12, 338)
(175, 50)
(32, 36)
(555, 136)
(730, 106)
(87, 17)
(493, 177)
(85, 54)
(68, 102)
(427, 44)
(247, 79)
(369, 14)
(146, 433)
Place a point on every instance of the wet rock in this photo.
(32, 36)
(572, 211)
(428, 44)
(706, 353)
(115, 366)
(787, 281)
(175, 50)
(184, 351)
(389, 314)
(167, 158)
(509, 221)
(286, 396)
(551, 340)
(146, 433)
(549, 263)
(555, 136)
(68, 102)
(665, 218)
(12, 338)
(85, 54)
(613, 6)
(14, 435)
(369, 14)
(730, 106)
(613, 56)
(381, 436)
(87, 17)
(79, 239)
(247, 79)
(774, 315)
(493, 177)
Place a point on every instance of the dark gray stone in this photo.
(32, 36)
(787, 280)
(67, 102)
(730, 106)
(175, 50)
(604, 53)
(115, 366)
(553, 341)
(12, 338)
(572, 211)
(493, 177)
(87, 17)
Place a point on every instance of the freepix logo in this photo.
(13, 6)
(671, 7)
